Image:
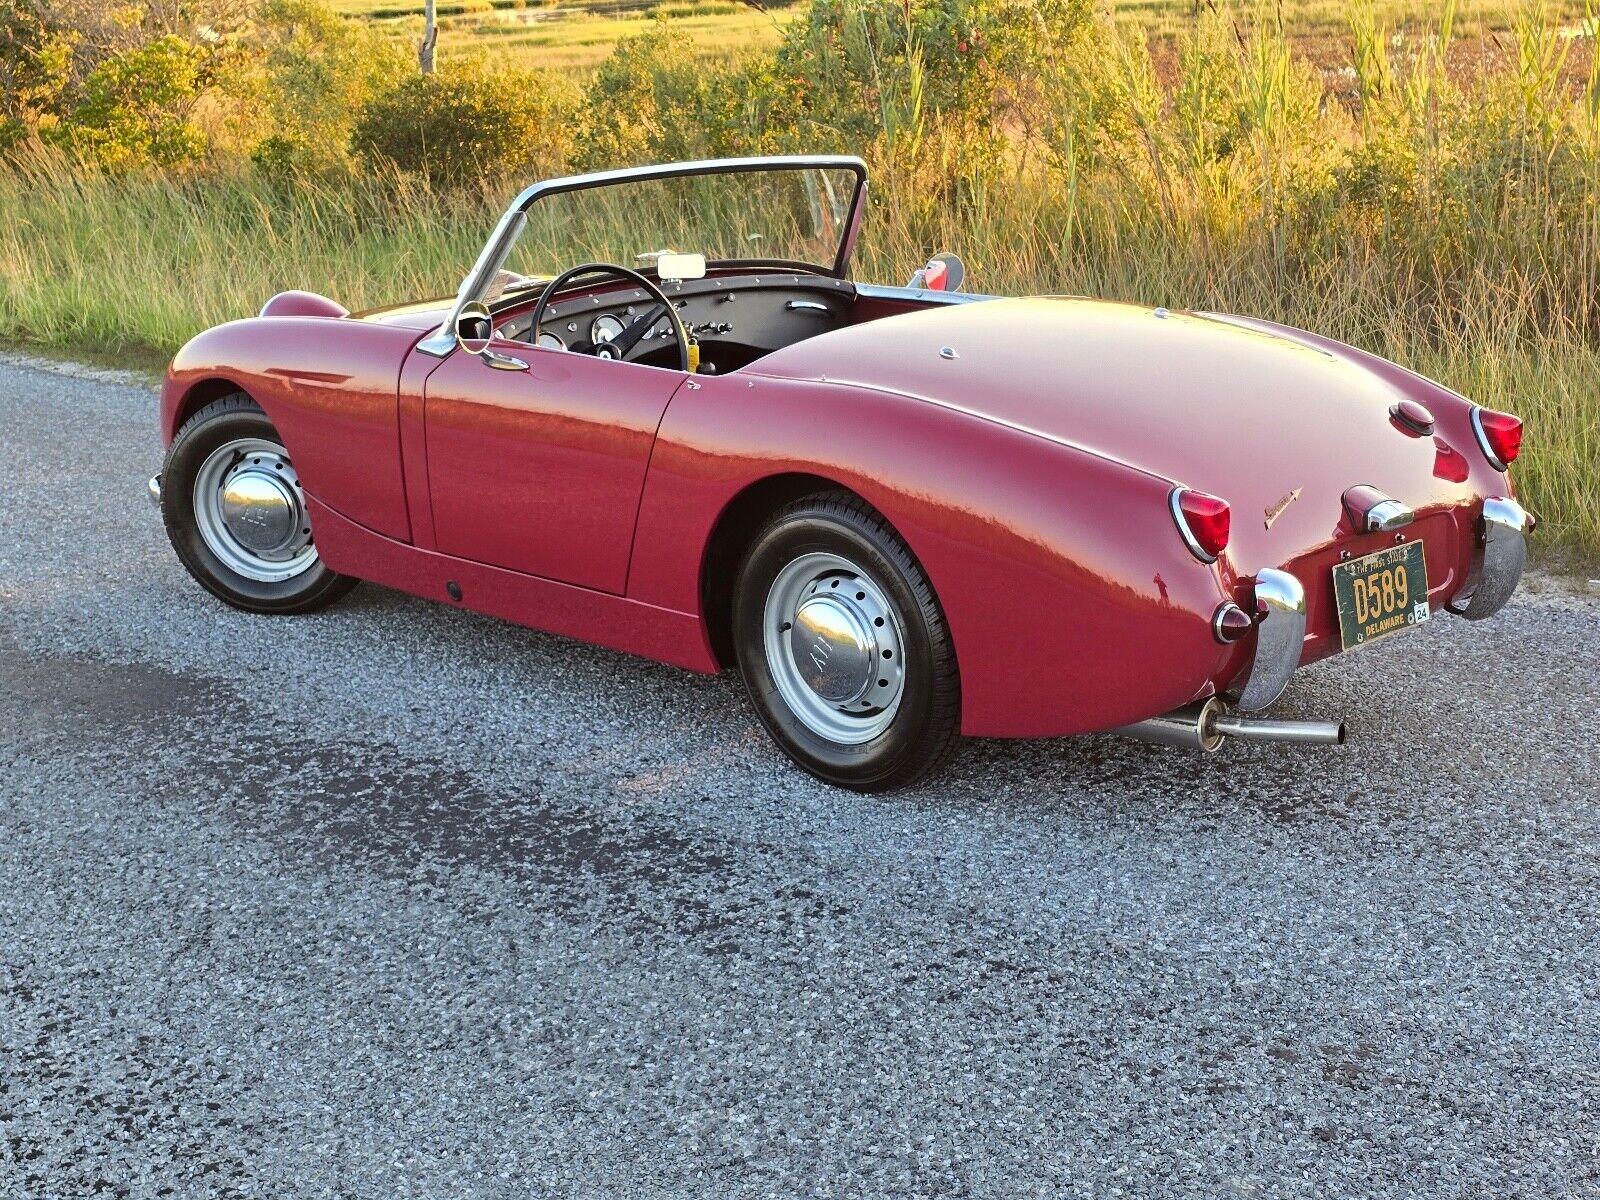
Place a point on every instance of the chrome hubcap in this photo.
(251, 511)
(835, 646)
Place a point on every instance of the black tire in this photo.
(228, 419)
(926, 724)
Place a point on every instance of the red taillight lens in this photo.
(1203, 522)
(1499, 434)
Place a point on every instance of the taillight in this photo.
(1203, 522)
(1499, 435)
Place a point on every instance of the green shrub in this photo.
(138, 107)
(36, 60)
(654, 99)
(464, 124)
(313, 71)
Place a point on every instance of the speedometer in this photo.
(551, 342)
(604, 329)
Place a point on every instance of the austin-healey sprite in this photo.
(660, 415)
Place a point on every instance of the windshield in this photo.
(787, 214)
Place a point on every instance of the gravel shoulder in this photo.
(399, 901)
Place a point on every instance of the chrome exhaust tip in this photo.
(1205, 725)
(1265, 729)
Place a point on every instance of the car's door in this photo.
(540, 471)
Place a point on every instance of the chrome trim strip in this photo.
(1187, 534)
(881, 291)
(1280, 638)
(1497, 569)
(1483, 442)
(442, 340)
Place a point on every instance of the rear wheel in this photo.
(843, 647)
(235, 513)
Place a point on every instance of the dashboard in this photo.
(736, 318)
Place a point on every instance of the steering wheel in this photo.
(618, 346)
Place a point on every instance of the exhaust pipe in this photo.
(1265, 729)
(1204, 726)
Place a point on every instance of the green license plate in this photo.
(1381, 593)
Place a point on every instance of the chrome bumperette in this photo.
(1497, 567)
(1280, 637)
(153, 490)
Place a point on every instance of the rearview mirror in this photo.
(677, 267)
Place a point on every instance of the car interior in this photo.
(736, 313)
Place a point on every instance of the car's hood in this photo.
(1216, 403)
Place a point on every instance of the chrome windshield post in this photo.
(443, 339)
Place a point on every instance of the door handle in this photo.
(806, 306)
(501, 362)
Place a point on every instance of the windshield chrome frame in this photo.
(443, 340)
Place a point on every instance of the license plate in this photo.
(1381, 594)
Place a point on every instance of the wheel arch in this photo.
(197, 396)
(736, 525)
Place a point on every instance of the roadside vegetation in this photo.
(1432, 198)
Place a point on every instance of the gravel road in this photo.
(396, 901)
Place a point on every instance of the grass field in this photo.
(571, 38)
(1448, 219)
(575, 37)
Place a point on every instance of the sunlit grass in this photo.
(1453, 227)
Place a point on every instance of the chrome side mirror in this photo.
(474, 332)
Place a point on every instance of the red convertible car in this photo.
(660, 416)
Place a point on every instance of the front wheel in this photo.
(236, 514)
(843, 646)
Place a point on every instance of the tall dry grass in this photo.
(1452, 226)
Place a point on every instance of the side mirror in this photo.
(474, 332)
(942, 273)
(474, 328)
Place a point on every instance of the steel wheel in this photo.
(835, 644)
(250, 511)
(237, 516)
(843, 646)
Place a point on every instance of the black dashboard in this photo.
(736, 318)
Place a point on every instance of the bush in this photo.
(314, 72)
(137, 107)
(36, 60)
(465, 124)
(855, 67)
(655, 100)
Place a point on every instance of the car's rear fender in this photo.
(1071, 599)
(329, 387)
